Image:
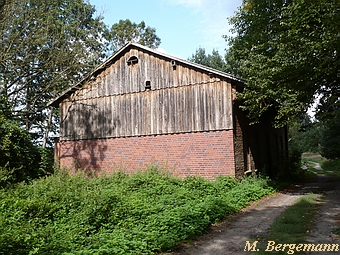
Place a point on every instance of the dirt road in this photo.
(230, 236)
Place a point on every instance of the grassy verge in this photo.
(293, 226)
(145, 213)
(329, 167)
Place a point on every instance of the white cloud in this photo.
(213, 23)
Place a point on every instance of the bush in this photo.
(20, 159)
(145, 213)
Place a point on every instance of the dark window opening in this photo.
(173, 64)
(147, 85)
(132, 60)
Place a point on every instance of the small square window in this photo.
(147, 85)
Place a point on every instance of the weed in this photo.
(143, 213)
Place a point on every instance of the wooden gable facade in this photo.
(144, 107)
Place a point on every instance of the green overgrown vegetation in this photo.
(329, 167)
(293, 225)
(144, 213)
(20, 159)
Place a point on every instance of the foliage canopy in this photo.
(287, 50)
(45, 47)
(126, 31)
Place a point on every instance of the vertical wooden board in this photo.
(160, 112)
(116, 82)
(195, 105)
(94, 118)
(151, 112)
(221, 103)
(124, 114)
(175, 72)
(109, 87)
(153, 74)
(216, 105)
(212, 107)
(184, 78)
(191, 112)
(230, 105)
(142, 124)
(65, 119)
(119, 115)
(182, 109)
(69, 120)
(165, 74)
(122, 75)
(158, 73)
(155, 112)
(129, 117)
(167, 111)
(146, 71)
(109, 81)
(132, 116)
(105, 82)
(148, 113)
(138, 113)
(108, 118)
(113, 121)
(101, 116)
(164, 111)
(207, 107)
(81, 113)
(193, 75)
(90, 123)
(141, 74)
(186, 113)
(169, 74)
(202, 108)
(76, 120)
(166, 65)
(171, 111)
(98, 89)
(61, 119)
(177, 110)
(179, 72)
(225, 106)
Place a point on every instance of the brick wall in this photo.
(208, 154)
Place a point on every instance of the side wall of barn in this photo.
(208, 154)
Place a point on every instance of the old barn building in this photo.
(143, 107)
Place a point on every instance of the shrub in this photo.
(144, 213)
(20, 159)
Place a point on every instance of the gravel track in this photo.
(230, 236)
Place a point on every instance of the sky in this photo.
(182, 25)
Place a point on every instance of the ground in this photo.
(252, 223)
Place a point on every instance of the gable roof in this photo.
(137, 46)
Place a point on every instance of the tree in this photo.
(304, 134)
(287, 50)
(329, 117)
(125, 31)
(214, 60)
(46, 46)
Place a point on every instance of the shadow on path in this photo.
(254, 221)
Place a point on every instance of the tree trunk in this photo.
(48, 125)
